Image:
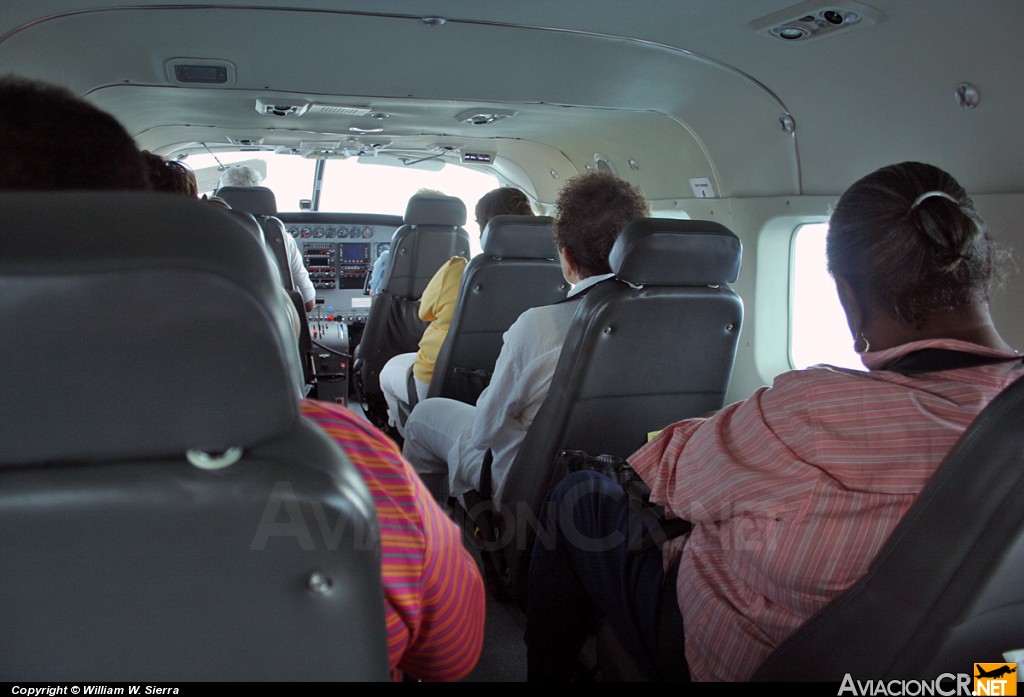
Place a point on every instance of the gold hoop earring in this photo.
(861, 344)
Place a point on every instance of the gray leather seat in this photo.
(261, 203)
(430, 235)
(945, 592)
(168, 515)
(518, 269)
(651, 347)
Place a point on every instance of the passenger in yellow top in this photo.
(437, 306)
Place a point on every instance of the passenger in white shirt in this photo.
(446, 440)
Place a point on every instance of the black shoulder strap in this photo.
(485, 475)
(935, 360)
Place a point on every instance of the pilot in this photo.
(239, 175)
(244, 175)
(437, 306)
(447, 440)
(792, 492)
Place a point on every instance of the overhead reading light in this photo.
(280, 108)
(813, 20)
(480, 117)
(790, 32)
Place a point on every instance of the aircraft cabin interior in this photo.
(741, 122)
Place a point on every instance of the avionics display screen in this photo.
(354, 253)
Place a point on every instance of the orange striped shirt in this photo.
(793, 492)
(434, 594)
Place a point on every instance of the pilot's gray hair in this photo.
(240, 175)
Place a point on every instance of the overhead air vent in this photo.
(813, 20)
(200, 72)
(280, 108)
(339, 110)
(603, 163)
(483, 116)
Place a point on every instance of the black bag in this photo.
(657, 528)
(611, 466)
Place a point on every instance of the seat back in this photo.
(652, 347)
(430, 235)
(270, 230)
(945, 591)
(260, 202)
(168, 514)
(517, 270)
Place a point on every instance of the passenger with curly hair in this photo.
(446, 440)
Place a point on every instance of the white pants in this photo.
(394, 383)
(436, 444)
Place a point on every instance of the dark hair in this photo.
(504, 201)
(591, 210)
(171, 176)
(907, 237)
(51, 139)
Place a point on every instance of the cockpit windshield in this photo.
(356, 185)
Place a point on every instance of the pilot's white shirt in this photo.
(300, 276)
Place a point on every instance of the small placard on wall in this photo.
(702, 188)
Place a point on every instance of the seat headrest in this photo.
(435, 209)
(519, 237)
(258, 200)
(137, 326)
(666, 251)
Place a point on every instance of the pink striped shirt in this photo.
(434, 594)
(793, 491)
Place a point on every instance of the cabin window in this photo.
(818, 330)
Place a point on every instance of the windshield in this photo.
(348, 185)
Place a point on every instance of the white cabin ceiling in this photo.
(687, 89)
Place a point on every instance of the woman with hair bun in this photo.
(791, 493)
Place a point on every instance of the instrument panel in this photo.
(338, 250)
(330, 232)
